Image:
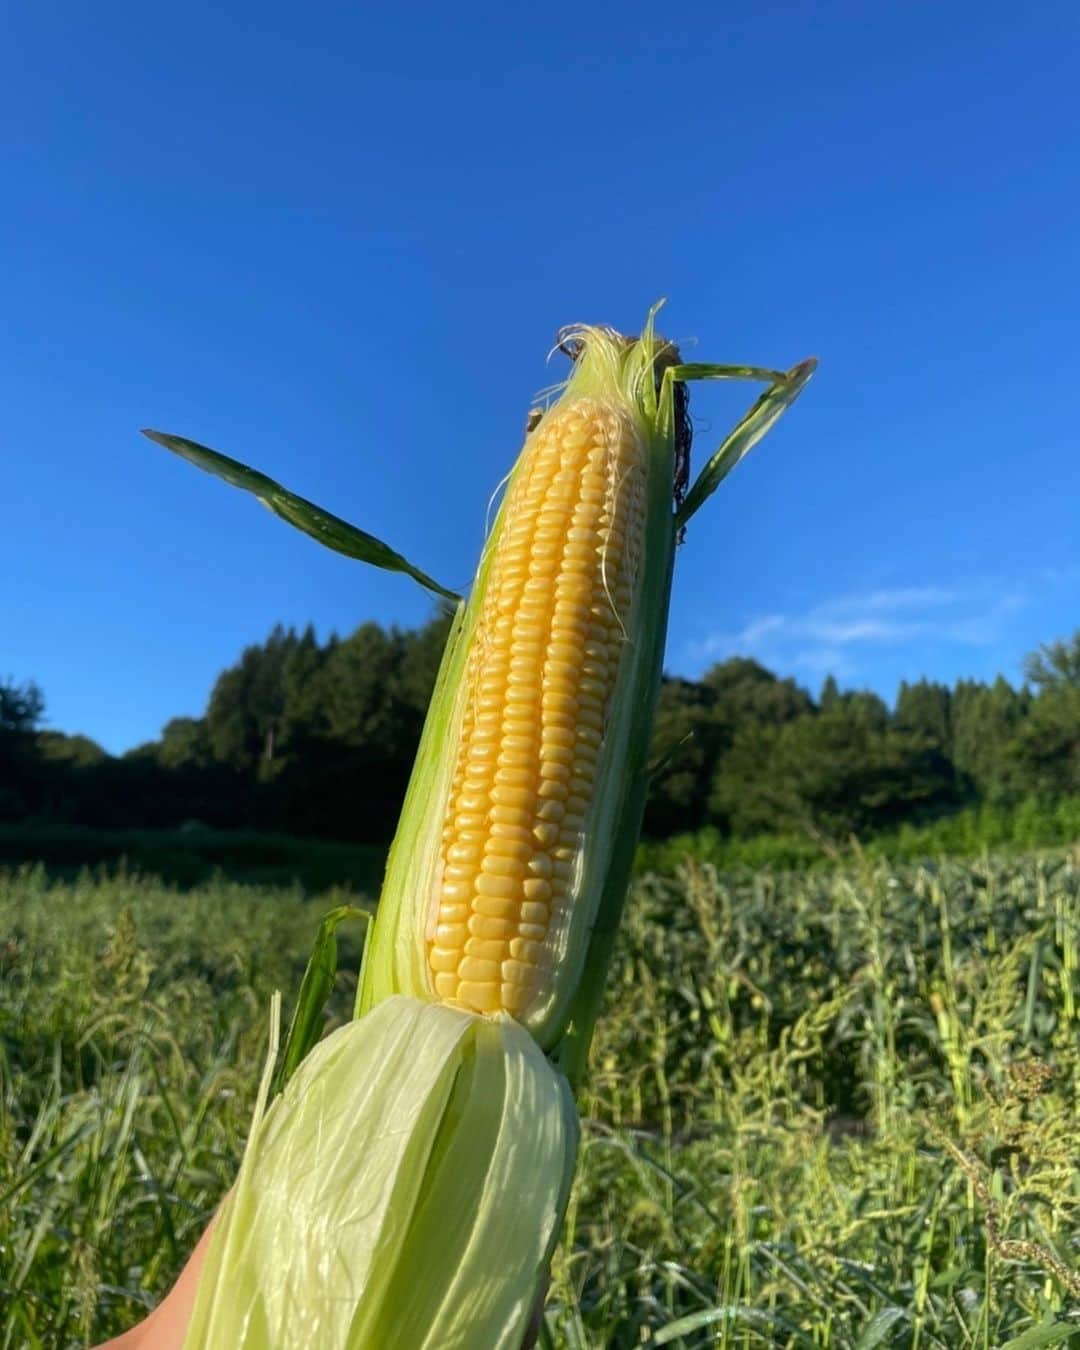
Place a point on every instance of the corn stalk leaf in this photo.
(733, 1313)
(657, 767)
(1046, 1333)
(328, 529)
(749, 431)
(879, 1329)
(315, 989)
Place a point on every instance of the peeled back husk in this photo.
(404, 1192)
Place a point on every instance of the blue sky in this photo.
(336, 241)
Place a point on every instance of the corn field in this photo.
(835, 1109)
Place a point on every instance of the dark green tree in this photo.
(244, 715)
(1045, 750)
(22, 706)
(830, 773)
(1056, 665)
(745, 690)
(185, 744)
(923, 709)
(985, 720)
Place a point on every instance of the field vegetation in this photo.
(833, 1108)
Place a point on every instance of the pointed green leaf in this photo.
(698, 370)
(746, 435)
(329, 530)
(659, 766)
(879, 1328)
(315, 988)
(1046, 1333)
(734, 1313)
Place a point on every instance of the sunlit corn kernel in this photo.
(545, 834)
(496, 907)
(522, 949)
(480, 997)
(449, 935)
(476, 968)
(503, 867)
(508, 848)
(495, 887)
(488, 926)
(485, 949)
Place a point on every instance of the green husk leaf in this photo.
(495, 1191)
(315, 989)
(371, 1207)
(326, 1187)
(746, 435)
(330, 530)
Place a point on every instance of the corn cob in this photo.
(539, 681)
(528, 780)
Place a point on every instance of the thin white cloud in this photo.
(747, 639)
(843, 631)
(760, 628)
(985, 629)
(829, 635)
(824, 661)
(889, 601)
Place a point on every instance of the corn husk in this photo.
(404, 1192)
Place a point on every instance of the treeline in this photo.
(318, 738)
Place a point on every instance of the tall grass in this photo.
(829, 1110)
(132, 1029)
(836, 1110)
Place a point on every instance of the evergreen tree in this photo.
(830, 694)
(1055, 666)
(22, 706)
(21, 709)
(924, 709)
(185, 744)
(985, 720)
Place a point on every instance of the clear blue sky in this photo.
(336, 240)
